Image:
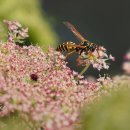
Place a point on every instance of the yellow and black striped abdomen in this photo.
(67, 46)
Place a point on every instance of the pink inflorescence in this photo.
(40, 86)
(98, 59)
(126, 64)
(16, 32)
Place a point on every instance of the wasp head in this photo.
(89, 46)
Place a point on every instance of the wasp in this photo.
(85, 46)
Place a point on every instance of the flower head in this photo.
(126, 67)
(54, 100)
(126, 64)
(127, 56)
(16, 32)
(97, 58)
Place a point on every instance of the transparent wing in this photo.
(75, 32)
(76, 46)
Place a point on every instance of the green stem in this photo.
(85, 69)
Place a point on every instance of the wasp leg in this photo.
(98, 49)
(98, 54)
(70, 53)
(80, 61)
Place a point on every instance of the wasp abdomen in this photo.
(67, 46)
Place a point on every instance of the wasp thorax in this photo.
(89, 46)
(85, 43)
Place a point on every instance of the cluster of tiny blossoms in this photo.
(98, 59)
(126, 64)
(39, 86)
(16, 32)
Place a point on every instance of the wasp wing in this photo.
(76, 46)
(74, 31)
(73, 45)
(69, 46)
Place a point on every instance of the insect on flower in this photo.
(85, 46)
(89, 53)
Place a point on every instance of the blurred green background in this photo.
(111, 113)
(14, 122)
(30, 14)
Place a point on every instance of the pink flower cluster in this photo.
(126, 64)
(98, 59)
(16, 32)
(40, 87)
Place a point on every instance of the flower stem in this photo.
(82, 72)
(85, 69)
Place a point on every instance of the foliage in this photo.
(13, 122)
(29, 13)
(111, 112)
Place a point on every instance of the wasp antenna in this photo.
(68, 24)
